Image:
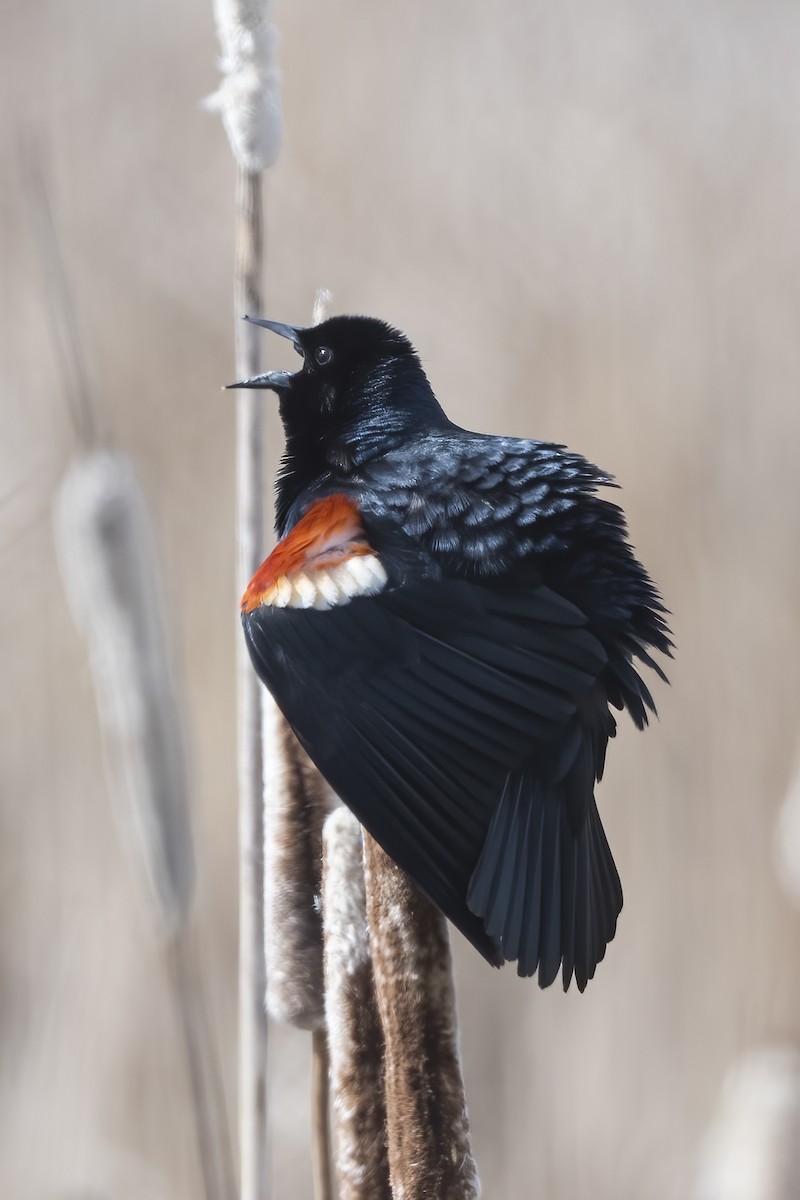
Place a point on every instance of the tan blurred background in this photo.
(587, 218)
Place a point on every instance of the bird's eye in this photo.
(323, 355)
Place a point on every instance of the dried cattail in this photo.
(107, 562)
(296, 802)
(752, 1150)
(108, 569)
(426, 1115)
(248, 98)
(355, 1036)
(109, 572)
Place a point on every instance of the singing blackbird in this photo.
(445, 622)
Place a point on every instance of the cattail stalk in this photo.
(320, 1050)
(249, 102)
(426, 1115)
(297, 800)
(354, 1027)
(250, 543)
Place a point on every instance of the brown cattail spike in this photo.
(297, 800)
(428, 1129)
(354, 1029)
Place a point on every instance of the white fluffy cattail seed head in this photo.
(249, 96)
(107, 561)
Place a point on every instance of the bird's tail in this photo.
(549, 894)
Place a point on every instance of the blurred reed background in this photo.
(586, 218)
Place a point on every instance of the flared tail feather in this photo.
(549, 894)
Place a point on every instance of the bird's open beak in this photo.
(292, 332)
(276, 381)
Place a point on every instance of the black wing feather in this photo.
(448, 717)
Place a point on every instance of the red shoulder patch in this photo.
(304, 569)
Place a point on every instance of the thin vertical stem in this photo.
(321, 1132)
(320, 1056)
(59, 307)
(211, 1123)
(250, 544)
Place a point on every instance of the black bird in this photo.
(444, 623)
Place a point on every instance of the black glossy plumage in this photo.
(463, 712)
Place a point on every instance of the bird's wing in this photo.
(497, 509)
(460, 722)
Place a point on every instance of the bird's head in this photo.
(361, 388)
